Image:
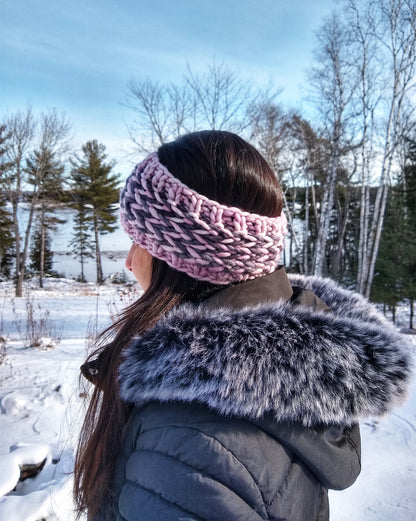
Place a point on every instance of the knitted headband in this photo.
(196, 235)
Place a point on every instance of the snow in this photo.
(42, 406)
(41, 402)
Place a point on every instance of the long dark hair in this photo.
(223, 167)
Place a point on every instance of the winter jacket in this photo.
(246, 405)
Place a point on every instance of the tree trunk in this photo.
(342, 228)
(411, 313)
(306, 228)
(42, 249)
(325, 217)
(18, 261)
(293, 239)
(362, 244)
(364, 211)
(376, 242)
(23, 255)
(373, 239)
(97, 252)
(82, 265)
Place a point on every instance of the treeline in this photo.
(346, 160)
(38, 171)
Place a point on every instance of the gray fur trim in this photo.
(300, 365)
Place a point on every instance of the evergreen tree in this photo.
(6, 220)
(45, 174)
(395, 278)
(409, 191)
(81, 243)
(391, 267)
(96, 192)
(40, 241)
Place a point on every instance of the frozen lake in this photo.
(114, 248)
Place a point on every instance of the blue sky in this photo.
(78, 55)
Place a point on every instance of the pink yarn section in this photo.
(196, 235)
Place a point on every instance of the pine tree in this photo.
(45, 174)
(81, 243)
(409, 208)
(39, 262)
(395, 277)
(391, 267)
(95, 191)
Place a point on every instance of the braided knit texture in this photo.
(196, 235)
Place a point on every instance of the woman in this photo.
(229, 391)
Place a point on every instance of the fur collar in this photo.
(296, 363)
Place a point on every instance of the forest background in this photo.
(347, 164)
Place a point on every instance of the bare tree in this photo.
(217, 99)
(21, 126)
(334, 81)
(269, 124)
(365, 56)
(163, 112)
(271, 132)
(55, 132)
(310, 150)
(51, 131)
(221, 98)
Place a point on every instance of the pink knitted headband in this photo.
(196, 235)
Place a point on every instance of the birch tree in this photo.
(365, 56)
(393, 24)
(21, 126)
(334, 83)
(407, 182)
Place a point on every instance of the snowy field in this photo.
(42, 405)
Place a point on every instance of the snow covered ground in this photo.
(42, 405)
(41, 402)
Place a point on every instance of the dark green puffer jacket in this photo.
(246, 406)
